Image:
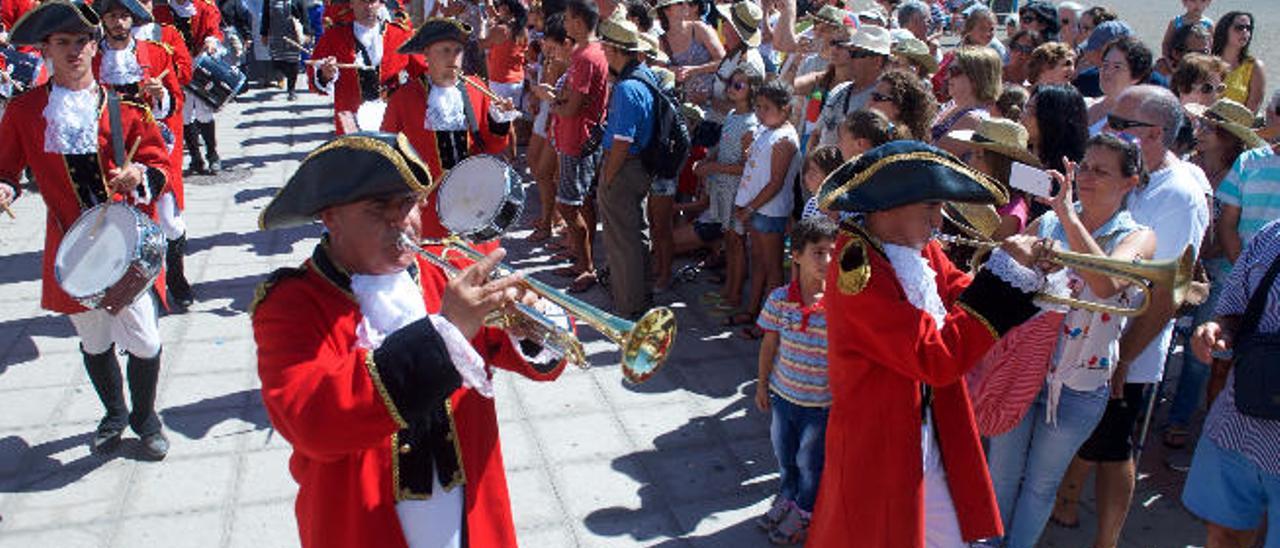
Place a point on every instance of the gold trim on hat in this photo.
(862, 176)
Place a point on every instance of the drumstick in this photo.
(294, 43)
(317, 62)
(128, 159)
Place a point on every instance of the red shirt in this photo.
(588, 74)
(506, 62)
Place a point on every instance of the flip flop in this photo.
(584, 282)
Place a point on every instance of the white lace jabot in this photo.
(120, 66)
(918, 280)
(391, 301)
(71, 120)
(371, 39)
(445, 110)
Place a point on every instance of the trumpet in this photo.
(644, 344)
(1145, 275)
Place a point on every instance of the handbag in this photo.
(1257, 383)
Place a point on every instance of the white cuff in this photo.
(465, 359)
(163, 106)
(503, 116)
(142, 192)
(1056, 284)
(1025, 279)
(326, 89)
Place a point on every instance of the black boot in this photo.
(143, 377)
(175, 272)
(104, 373)
(211, 147)
(191, 140)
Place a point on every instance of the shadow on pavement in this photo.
(275, 123)
(34, 468)
(21, 267)
(251, 194)
(264, 243)
(195, 420)
(23, 348)
(693, 472)
(315, 137)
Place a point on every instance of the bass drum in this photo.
(480, 198)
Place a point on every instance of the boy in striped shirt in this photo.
(793, 379)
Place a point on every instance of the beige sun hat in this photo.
(620, 33)
(1231, 116)
(652, 49)
(1000, 135)
(745, 17)
(871, 38)
(915, 52)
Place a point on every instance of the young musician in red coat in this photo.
(445, 118)
(173, 202)
(366, 367)
(372, 44)
(200, 24)
(905, 326)
(62, 132)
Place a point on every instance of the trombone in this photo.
(644, 344)
(1145, 275)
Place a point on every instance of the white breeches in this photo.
(134, 330)
(171, 222)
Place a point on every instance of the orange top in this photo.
(506, 62)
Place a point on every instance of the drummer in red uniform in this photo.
(366, 367)
(446, 116)
(173, 202)
(200, 24)
(904, 467)
(62, 132)
(371, 44)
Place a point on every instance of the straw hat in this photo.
(871, 38)
(975, 220)
(1231, 116)
(664, 3)
(620, 33)
(836, 17)
(745, 17)
(652, 49)
(916, 52)
(1000, 135)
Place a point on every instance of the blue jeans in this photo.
(1195, 373)
(799, 438)
(1027, 463)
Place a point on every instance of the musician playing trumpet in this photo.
(63, 133)
(903, 326)
(447, 116)
(377, 369)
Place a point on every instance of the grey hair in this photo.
(1073, 7)
(1159, 106)
(909, 9)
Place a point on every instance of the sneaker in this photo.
(792, 528)
(781, 509)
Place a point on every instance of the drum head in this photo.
(473, 194)
(369, 115)
(89, 261)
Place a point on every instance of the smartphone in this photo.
(1031, 180)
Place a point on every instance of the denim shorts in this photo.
(1228, 489)
(577, 174)
(662, 186)
(768, 224)
(708, 232)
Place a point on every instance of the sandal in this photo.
(539, 234)
(1175, 437)
(584, 282)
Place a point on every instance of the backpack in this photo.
(669, 145)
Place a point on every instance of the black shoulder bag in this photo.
(1257, 383)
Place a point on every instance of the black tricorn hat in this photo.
(906, 172)
(435, 30)
(140, 14)
(54, 16)
(347, 169)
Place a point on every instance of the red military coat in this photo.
(406, 113)
(206, 23)
(880, 349)
(322, 396)
(180, 65)
(23, 128)
(395, 69)
(12, 10)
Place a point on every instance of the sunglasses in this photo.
(1121, 124)
(881, 98)
(1207, 88)
(1242, 28)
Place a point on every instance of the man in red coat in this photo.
(904, 467)
(62, 132)
(173, 202)
(445, 115)
(366, 367)
(360, 62)
(200, 24)
(10, 12)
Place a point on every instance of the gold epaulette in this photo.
(260, 293)
(145, 108)
(160, 43)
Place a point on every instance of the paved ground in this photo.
(683, 460)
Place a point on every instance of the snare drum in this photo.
(214, 81)
(369, 115)
(109, 256)
(480, 198)
(23, 68)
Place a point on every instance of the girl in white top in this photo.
(763, 200)
(1028, 462)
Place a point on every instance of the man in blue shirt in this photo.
(624, 182)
